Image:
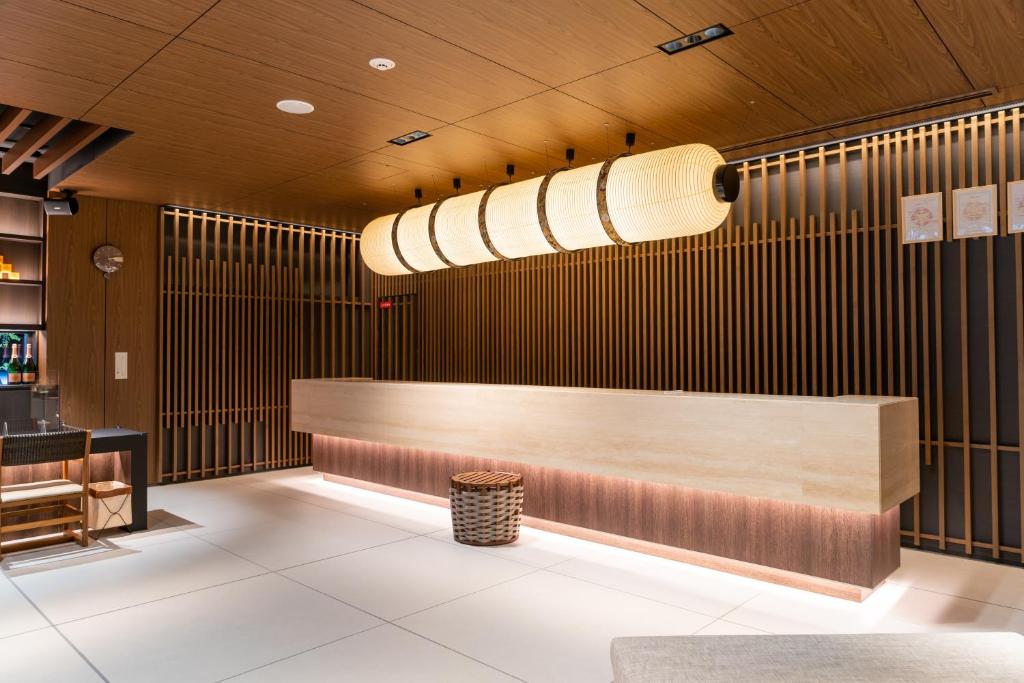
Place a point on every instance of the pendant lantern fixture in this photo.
(673, 192)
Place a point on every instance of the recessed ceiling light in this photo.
(705, 35)
(409, 137)
(295, 106)
(382, 63)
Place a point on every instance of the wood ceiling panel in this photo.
(332, 42)
(693, 15)
(1013, 93)
(455, 151)
(908, 119)
(366, 203)
(212, 80)
(835, 60)
(106, 178)
(41, 89)
(168, 16)
(551, 121)
(689, 97)
(985, 36)
(326, 214)
(73, 40)
(214, 169)
(171, 126)
(552, 42)
(354, 183)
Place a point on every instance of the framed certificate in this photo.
(921, 218)
(975, 212)
(1015, 206)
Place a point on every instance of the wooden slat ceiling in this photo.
(493, 81)
(35, 145)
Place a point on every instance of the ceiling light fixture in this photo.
(382, 64)
(409, 137)
(673, 192)
(295, 107)
(696, 38)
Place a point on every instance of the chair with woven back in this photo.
(45, 503)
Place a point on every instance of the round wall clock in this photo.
(108, 258)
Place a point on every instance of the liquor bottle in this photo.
(3, 367)
(14, 366)
(28, 370)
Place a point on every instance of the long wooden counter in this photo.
(801, 484)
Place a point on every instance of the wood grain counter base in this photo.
(837, 552)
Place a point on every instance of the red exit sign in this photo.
(384, 304)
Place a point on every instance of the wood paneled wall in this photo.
(806, 289)
(246, 306)
(90, 317)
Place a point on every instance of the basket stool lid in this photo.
(468, 481)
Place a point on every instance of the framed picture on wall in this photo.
(975, 212)
(1015, 206)
(921, 216)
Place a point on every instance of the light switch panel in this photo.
(120, 365)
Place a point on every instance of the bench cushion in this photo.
(904, 657)
(26, 493)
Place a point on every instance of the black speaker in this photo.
(65, 206)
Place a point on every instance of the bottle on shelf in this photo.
(28, 369)
(3, 367)
(14, 366)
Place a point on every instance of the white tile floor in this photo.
(284, 577)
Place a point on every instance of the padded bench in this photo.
(859, 658)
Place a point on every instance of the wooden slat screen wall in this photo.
(247, 305)
(806, 289)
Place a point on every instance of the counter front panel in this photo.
(809, 486)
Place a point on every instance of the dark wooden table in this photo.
(118, 440)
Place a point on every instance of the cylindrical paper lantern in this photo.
(666, 193)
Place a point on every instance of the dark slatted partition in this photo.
(806, 289)
(247, 305)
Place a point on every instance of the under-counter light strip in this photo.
(673, 192)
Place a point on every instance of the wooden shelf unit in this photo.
(23, 244)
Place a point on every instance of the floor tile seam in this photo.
(21, 633)
(961, 597)
(62, 635)
(333, 597)
(745, 602)
(479, 550)
(324, 507)
(465, 595)
(458, 652)
(736, 623)
(647, 597)
(347, 552)
(161, 599)
(299, 654)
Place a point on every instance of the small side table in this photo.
(487, 507)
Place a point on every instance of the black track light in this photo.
(693, 39)
(419, 195)
(457, 184)
(570, 154)
(510, 170)
(630, 140)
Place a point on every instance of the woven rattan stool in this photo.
(486, 507)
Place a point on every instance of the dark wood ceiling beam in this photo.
(37, 136)
(66, 147)
(11, 119)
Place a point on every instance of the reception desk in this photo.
(799, 490)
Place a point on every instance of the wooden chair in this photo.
(59, 503)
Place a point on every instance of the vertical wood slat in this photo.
(791, 295)
(234, 334)
(722, 312)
